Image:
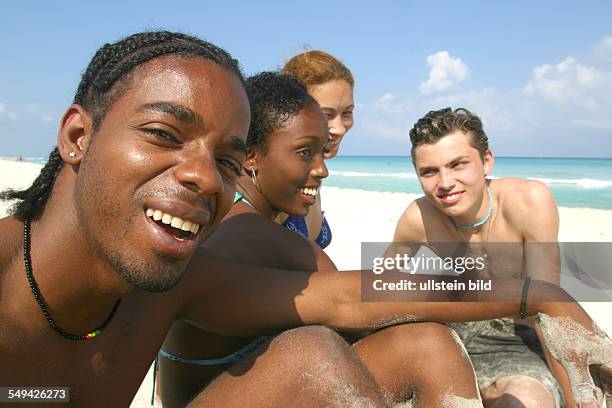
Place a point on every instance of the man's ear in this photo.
(489, 161)
(74, 134)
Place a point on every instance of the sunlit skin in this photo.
(336, 100)
(173, 140)
(168, 157)
(291, 160)
(452, 173)
(74, 252)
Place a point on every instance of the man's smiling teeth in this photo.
(309, 191)
(451, 195)
(175, 222)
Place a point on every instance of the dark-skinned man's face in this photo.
(159, 173)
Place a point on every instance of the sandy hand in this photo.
(578, 349)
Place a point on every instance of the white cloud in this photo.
(48, 119)
(444, 73)
(566, 81)
(561, 102)
(388, 97)
(603, 49)
(387, 104)
(5, 113)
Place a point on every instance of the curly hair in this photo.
(103, 82)
(317, 67)
(437, 124)
(275, 98)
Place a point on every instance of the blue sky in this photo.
(538, 73)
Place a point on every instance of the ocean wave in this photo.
(366, 174)
(586, 183)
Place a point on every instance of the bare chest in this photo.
(106, 371)
(497, 246)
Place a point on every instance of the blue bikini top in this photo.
(298, 224)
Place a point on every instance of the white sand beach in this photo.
(356, 216)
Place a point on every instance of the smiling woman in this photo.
(283, 171)
(286, 147)
(331, 84)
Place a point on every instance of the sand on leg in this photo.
(423, 361)
(304, 367)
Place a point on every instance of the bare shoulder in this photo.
(411, 225)
(520, 197)
(248, 240)
(255, 240)
(530, 207)
(10, 240)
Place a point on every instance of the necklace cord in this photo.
(27, 259)
(481, 222)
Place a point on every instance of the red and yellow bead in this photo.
(90, 336)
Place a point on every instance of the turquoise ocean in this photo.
(574, 182)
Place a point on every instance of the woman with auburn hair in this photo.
(331, 84)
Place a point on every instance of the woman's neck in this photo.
(254, 196)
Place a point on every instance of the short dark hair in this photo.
(275, 98)
(437, 124)
(105, 80)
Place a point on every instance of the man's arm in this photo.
(534, 213)
(409, 233)
(238, 300)
(234, 299)
(410, 227)
(538, 218)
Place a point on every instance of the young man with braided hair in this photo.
(102, 254)
(159, 122)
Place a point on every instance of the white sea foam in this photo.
(586, 183)
(404, 175)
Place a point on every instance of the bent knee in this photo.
(309, 336)
(520, 389)
(309, 343)
(437, 339)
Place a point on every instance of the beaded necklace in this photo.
(37, 296)
(459, 227)
(481, 222)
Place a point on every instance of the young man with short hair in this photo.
(452, 159)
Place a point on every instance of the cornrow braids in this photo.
(113, 62)
(105, 80)
(33, 199)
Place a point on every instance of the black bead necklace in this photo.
(28, 268)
